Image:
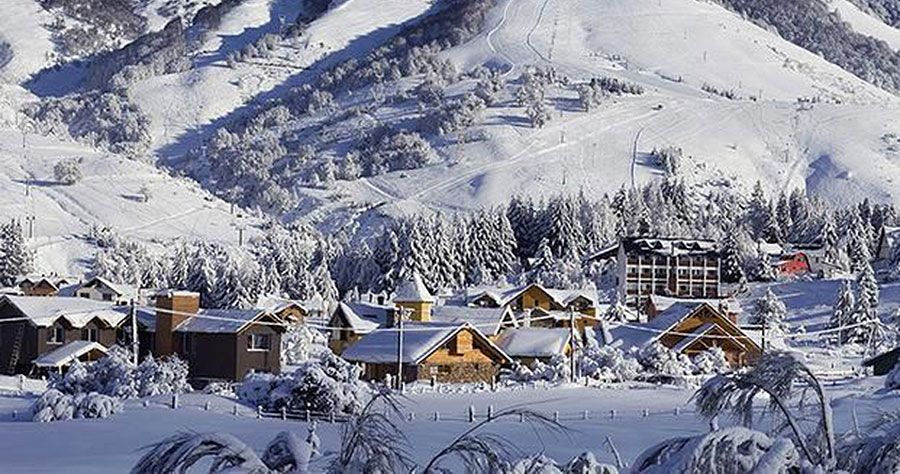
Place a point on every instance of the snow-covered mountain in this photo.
(329, 112)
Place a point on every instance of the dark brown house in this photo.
(218, 344)
(32, 326)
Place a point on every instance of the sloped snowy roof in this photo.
(419, 341)
(43, 311)
(730, 305)
(504, 296)
(276, 304)
(413, 291)
(564, 297)
(487, 320)
(220, 321)
(363, 317)
(696, 334)
(652, 330)
(120, 289)
(68, 353)
(669, 246)
(533, 342)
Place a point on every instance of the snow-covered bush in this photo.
(167, 375)
(67, 171)
(664, 364)
(324, 385)
(892, 380)
(115, 376)
(711, 361)
(54, 405)
(301, 343)
(555, 370)
(609, 364)
(739, 449)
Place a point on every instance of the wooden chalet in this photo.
(690, 327)
(450, 353)
(32, 326)
(44, 285)
(219, 344)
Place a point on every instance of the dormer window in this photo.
(56, 334)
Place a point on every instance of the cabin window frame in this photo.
(86, 334)
(56, 334)
(253, 340)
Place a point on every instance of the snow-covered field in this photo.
(108, 195)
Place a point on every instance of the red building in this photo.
(790, 265)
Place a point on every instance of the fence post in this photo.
(677, 411)
(437, 416)
(259, 411)
(331, 416)
(645, 413)
(433, 381)
(15, 414)
(411, 416)
(174, 401)
(234, 410)
(308, 416)
(521, 418)
(612, 414)
(21, 383)
(490, 413)
(283, 412)
(206, 405)
(584, 415)
(556, 417)
(471, 414)
(146, 403)
(494, 383)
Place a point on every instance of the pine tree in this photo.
(858, 245)
(758, 212)
(202, 278)
(783, 218)
(834, 255)
(15, 258)
(842, 311)
(732, 259)
(386, 257)
(769, 311)
(867, 296)
(564, 235)
(524, 221)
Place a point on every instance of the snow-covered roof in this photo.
(632, 336)
(669, 246)
(276, 304)
(413, 291)
(68, 353)
(363, 317)
(770, 249)
(696, 334)
(505, 296)
(43, 311)
(730, 305)
(419, 341)
(220, 321)
(120, 289)
(534, 342)
(487, 320)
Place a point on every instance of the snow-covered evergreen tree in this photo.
(769, 311)
(842, 312)
(15, 257)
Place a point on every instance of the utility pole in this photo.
(764, 324)
(401, 315)
(135, 344)
(571, 345)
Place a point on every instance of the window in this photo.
(187, 343)
(89, 334)
(107, 297)
(258, 342)
(84, 295)
(56, 335)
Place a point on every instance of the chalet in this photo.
(683, 268)
(32, 326)
(45, 285)
(355, 320)
(101, 289)
(792, 265)
(727, 306)
(450, 353)
(526, 345)
(690, 328)
(289, 311)
(529, 297)
(219, 344)
(882, 364)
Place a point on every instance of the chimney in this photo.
(172, 308)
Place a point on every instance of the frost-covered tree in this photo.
(15, 257)
(842, 313)
(769, 311)
(67, 171)
(711, 361)
(539, 114)
(795, 396)
(733, 257)
(662, 363)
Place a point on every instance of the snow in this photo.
(219, 321)
(865, 23)
(413, 291)
(380, 346)
(44, 311)
(487, 320)
(533, 342)
(106, 196)
(22, 26)
(68, 353)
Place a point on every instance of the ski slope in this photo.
(107, 195)
(865, 23)
(832, 148)
(183, 104)
(22, 26)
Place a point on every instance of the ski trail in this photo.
(490, 40)
(537, 23)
